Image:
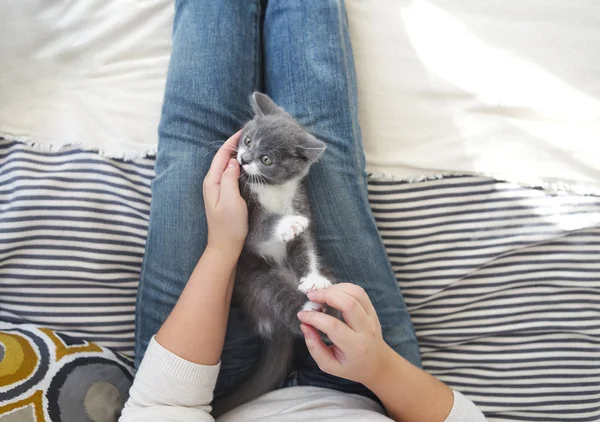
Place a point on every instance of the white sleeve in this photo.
(464, 410)
(169, 388)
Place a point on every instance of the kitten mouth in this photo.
(251, 169)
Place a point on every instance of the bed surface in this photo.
(504, 88)
(501, 277)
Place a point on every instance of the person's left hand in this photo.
(226, 210)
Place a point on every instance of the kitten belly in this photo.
(273, 250)
(265, 329)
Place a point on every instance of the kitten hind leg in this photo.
(313, 306)
(303, 259)
(313, 281)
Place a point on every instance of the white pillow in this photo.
(506, 88)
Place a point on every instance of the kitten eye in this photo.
(247, 140)
(266, 160)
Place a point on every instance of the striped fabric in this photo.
(503, 285)
(502, 282)
(72, 233)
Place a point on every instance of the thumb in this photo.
(229, 179)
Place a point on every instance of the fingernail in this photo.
(304, 329)
(232, 163)
(301, 314)
(312, 294)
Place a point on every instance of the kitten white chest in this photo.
(277, 199)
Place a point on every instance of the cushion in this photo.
(503, 286)
(506, 88)
(46, 375)
(73, 228)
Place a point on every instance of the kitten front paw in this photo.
(313, 281)
(290, 227)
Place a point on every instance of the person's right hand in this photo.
(226, 210)
(358, 352)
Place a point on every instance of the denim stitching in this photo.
(353, 100)
(257, 52)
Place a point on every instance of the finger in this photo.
(322, 354)
(359, 294)
(353, 312)
(339, 333)
(230, 186)
(219, 162)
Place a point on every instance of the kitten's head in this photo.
(273, 147)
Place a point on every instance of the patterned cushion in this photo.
(46, 375)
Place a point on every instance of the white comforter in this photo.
(509, 88)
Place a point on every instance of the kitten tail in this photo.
(271, 372)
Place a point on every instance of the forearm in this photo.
(409, 394)
(195, 329)
(167, 387)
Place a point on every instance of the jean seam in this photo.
(257, 52)
(350, 91)
(357, 144)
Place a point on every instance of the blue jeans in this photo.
(299, 53)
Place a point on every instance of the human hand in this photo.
(226, 210)
(359, 352)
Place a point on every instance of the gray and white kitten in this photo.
(279, 263)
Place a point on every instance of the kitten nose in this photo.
(246, 158)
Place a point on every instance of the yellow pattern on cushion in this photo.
(34, 400)
(63, 350)
(20, 360)
(48, 376)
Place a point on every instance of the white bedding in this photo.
(88, 73)
(508, 88)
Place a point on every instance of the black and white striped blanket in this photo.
(72, 234)
(502, 281)
(503, 286)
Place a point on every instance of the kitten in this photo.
(279, 263)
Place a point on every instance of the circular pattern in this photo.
(24, 362)
(88, 389)
(103, 402)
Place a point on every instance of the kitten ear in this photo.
(263, 105)
(311, 149)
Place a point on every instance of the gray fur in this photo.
(276, 134)
(266, 289)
